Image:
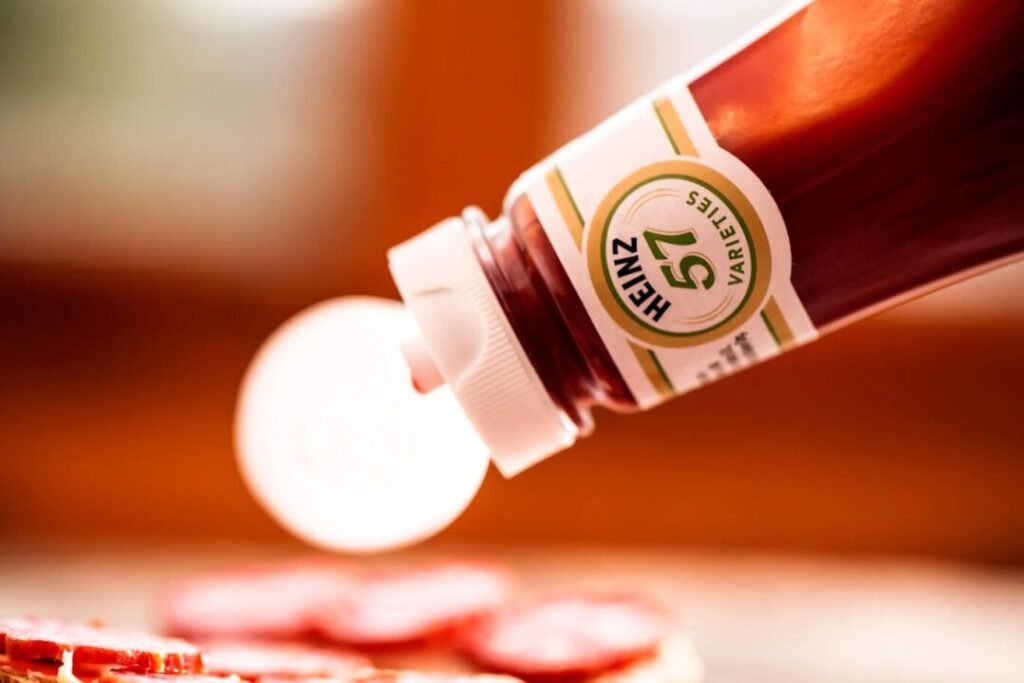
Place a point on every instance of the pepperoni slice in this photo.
(24, 671)
(22, 623)
(16, 669)
(255, 660)
(270, 601)
(406, 605)
(124, 676)
(569, 636)
(47, 639)
(378, 676)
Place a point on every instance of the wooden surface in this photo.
(754, 618)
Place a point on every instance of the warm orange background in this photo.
(127, 319)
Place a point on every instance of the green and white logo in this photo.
(678, 254)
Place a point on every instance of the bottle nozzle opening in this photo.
(423, 371)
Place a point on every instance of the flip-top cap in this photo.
(467, 336)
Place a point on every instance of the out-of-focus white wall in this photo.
(182, 135)
(612, 52)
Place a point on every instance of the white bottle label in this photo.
(677, 250)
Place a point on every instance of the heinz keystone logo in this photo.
(678, 254)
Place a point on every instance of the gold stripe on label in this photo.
(566, 205)
(776, 324)
(673, 125)
(651, 366)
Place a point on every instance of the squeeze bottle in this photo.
(841, 158)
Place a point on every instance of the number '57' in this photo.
(685, 277)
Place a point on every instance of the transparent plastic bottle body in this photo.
(890, 134)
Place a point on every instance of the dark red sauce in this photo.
(891, 134)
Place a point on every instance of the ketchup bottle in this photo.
(844, 157)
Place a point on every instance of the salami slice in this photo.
(566, 636)
(125, 676)
(377, 676)
(24, 671)
(12, 670)
(271, 601)
(47, 639)
(23, 623)
(255, 660)
(405, 605)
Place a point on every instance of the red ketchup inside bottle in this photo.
(889, 132)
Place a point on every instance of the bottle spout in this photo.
(466, 342)
(423, 371)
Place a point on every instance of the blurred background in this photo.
(178, 177)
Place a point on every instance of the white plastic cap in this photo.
(472, 345)
(335, 441)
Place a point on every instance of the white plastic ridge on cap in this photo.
(475, 349)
